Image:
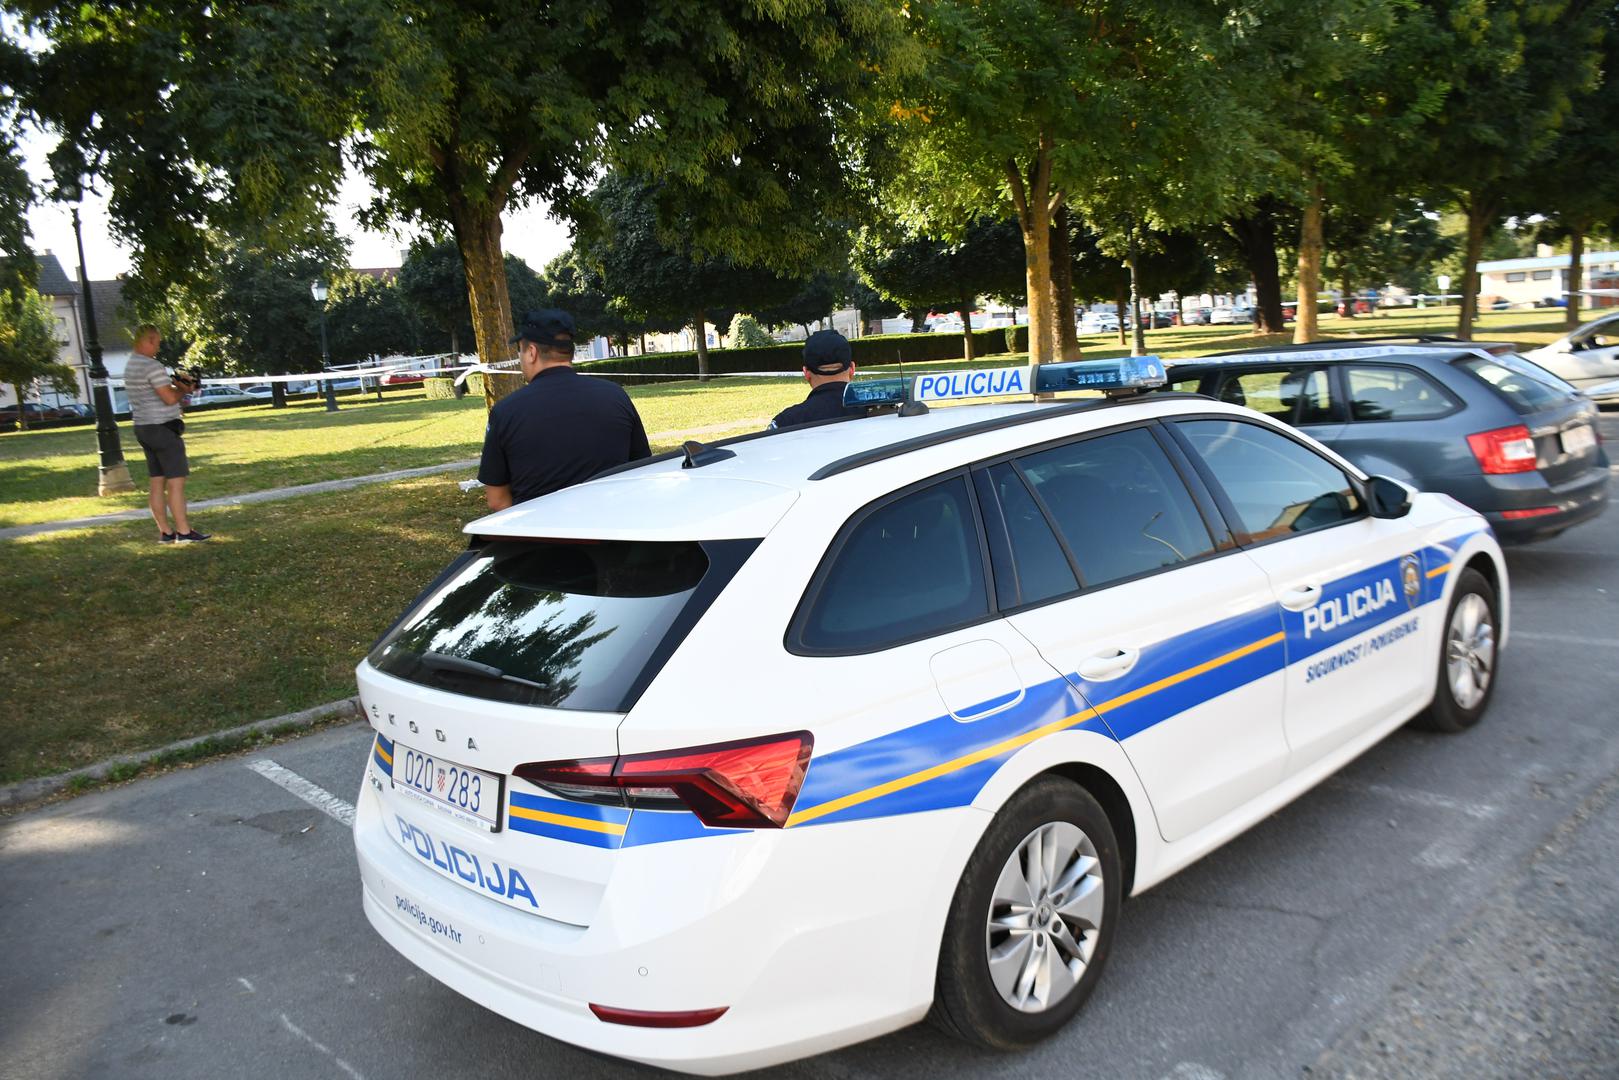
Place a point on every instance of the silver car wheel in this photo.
(1044, 917)
(1470, 651)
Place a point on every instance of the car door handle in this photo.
(1108, 665)
(1301, 597)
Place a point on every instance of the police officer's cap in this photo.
(827, 353)
(546, 326)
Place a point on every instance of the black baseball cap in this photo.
(827, 353)
(546, 326)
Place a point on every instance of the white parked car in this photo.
(220, 395)
(1586, 358)
(1223, 316)
(727, 758)
(1099, 322)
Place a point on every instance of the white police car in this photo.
(744, 754)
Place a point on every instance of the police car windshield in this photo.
(558, 623)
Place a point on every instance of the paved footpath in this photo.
(1444, 907)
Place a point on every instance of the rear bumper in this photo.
(813, 938)
(1574, 503)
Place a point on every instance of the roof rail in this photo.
(1348, 343)
(1043, 411)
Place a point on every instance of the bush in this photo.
(885, 349)
(439, 387)
(746, 333)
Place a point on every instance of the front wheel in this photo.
(1467, 657)
(1032, 919)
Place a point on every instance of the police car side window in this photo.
(911, 568)
(1042, 568)
(1119, 504)
(1278, 487)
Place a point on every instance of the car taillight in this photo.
(1504, 450)
(750, 784)
(1538, 511)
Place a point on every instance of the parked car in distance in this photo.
(1099, 322)
(1474, 421)
(34, 411)
(261, 391)
(403, 378)
(76, 408)
(220, 395)
(1223, 316)
(1585, 358)
(1195, 316)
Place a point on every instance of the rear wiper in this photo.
(463, 666)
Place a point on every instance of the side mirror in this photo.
(1388, 498)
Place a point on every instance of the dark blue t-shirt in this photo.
(559, 430)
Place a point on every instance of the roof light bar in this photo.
(1124, 375)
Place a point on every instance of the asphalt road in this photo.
(1446, 906)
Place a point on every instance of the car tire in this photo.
(1468, 657)
(1010, 983)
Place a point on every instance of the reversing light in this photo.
(1504, 450)
(751, 784)
(643, 1018)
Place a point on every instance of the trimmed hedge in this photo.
(884, 349)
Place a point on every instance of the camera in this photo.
(188, 377)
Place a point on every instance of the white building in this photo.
(1526, 281)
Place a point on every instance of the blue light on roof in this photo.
(1125, 373)
(872, 392)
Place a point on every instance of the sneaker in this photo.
(165, 538)
(192, 537)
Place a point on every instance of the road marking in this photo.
(348, 1069)
(246, 984)
(1192, 1070)
(1417, 797)
(313, 794)
(1567, 639)
(1443, 853)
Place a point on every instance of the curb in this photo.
(29, 791)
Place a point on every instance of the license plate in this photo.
(469, 795)
(1578, 440)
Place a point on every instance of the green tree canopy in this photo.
(28, 345)
(918, 271)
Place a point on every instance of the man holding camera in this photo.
(154, 407)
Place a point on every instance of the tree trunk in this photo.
(1480, 213)
(1576, 276)
(477, 235)
(643, 343)
(965, 310)
(1032, 196)
(700, 336)
(1062, 279)
(455, 341)
(1347, 287)
(278, 392)
(1307, 326)
(1255, 234)
(919, 320)
(1138, 334)
(22, 413)
(1120, 300)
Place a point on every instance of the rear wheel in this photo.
(1467, 657)
(1032, 919)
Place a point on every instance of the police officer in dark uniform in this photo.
(828, 368)
(562, 428)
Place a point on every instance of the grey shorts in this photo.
(165, 449)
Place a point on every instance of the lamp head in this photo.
(319, 291)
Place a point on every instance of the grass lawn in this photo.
(51, 475)
(112, 643)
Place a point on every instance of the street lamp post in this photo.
(112, 476)
(319, 291)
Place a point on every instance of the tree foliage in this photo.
(28, 350)
(915, 271)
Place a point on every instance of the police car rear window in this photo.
(561, 624)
